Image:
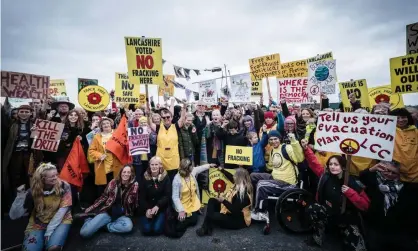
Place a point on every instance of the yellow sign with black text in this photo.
(57, 87)
(239, 155)
(404, 74)
(360, 91)
(256, 87)
(265, 66)
(219, 185)
(167, 87)
(93, 98)
(384, 94)
(125, 92)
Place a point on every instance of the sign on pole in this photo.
(125, 92)
(93, 98)
(241, 88)
(24, 85)
(265, 66)
(47, 135)
(404, 74)
(138, 139)
(384, 93)
(57, 87)
(208, 92)
(256, 87)
(322, 77)
(293, 81)
(239, 155)
(359, 88)
(412, 38)
(83, 82)
(219, 185)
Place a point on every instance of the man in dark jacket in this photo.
(229, 133)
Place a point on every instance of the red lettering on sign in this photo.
(144, 62)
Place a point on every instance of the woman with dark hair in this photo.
(327, 212)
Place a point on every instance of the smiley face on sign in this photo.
(93, 98)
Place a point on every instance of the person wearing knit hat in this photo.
(381, 108)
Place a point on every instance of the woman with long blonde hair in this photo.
(233, 211)
(49, 199)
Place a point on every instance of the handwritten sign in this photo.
(138, 139)
(293, 90)
(239, 155)
(322, 74)
(219, 185)
(404, 74)
(47, 135)
(257, 88)
(412, 38)
(295, 69)
(24, 85)
(125, 92)
(365, 135)
(16, 102)
(241, 88)
(208, 92)
(266, 66)
(57, 87)
(359, 89)
(83, 82)
(384, 93)
(320, 57)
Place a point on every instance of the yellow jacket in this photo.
(406, 153)
(111, 163)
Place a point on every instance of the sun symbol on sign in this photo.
(94, 98)
(219, 186)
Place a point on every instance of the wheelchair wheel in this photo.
(291, 210)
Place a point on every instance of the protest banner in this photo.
(57, 87)
(125, 92)
(93, 98)
(240, 88)
(265, 66)
(364, 135)
(167, 89)
(239, 155)
(24, 85)
(412, 38)
(256, 87)
(219, 185)
(16, 102)
(47, 135)
(322, 77)
(83, 82)
(208, 92)
(144, 58)
(404, 74)
(359, 88)
(293, 90)
(384, 93)
(138, 139)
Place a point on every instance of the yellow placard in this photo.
(142, 99)
(257, 88)
(145, 62)
(265, 66)
(57, 87)
(219, 185)
(385, 93)
(404, 74)
(295, 69)
(125, 92)
(168, 86)
(239, 155)
(359, 88)
(320, 57)
(93, 98)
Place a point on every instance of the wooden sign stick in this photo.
(346, 177)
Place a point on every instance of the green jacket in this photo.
(188, 141)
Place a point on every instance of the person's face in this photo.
(216, 116)
(36, 103)
(264, 109)
(352, 98)
(126, 173)
(189, 121)
(107, 112)
(201, 108)
(155, 167)
(290, 126)
(334, 167)
(63, 108)
(390, 172)
(166, 117)
(106, 126)
(24, 114)
(50, 178)
(306, 115)
(227, 114)
(402, 122)
(269, 121)
(138, 113)
(274, 142)
(156, 119)
(254, 140)
(95, 120)
(143, 123)
(237, 113)
(273, 108)
(247, 123)
(73, 117)
(381, 110)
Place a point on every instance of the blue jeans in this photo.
(122, 224)
(154, 225)
(34, 240)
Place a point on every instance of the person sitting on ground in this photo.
(233, 211)
(113, 209)
(49, 201)
(154, 198)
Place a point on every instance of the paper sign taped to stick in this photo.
(219, 185)
(384, 94)
(322, 77)
(293, 90)
(359, 89)
(145, 62)
(364, 135)
(57, 87)
(239, 155)
(83, 82)
(24, 85)
(93, 98)
(412, 38)
(266, 66)
(138, 139)
(47, 135)
(125, 92)
(241, 88)
(404, 74)
(256, 87)
(208, 92)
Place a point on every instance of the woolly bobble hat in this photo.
(143, 119)
(290, 119)
(268, 115)
(274, 133)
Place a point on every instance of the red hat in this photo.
(268, 115)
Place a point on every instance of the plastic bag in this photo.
(17, 210)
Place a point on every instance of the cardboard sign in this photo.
(125, 92)
(208, 92)
(239, 155)
(24, 85)
(377, 94)
(265, 66)
(138, 139)
(83, 82)
(322, 76)
(412, 38)
(219, 185)
(293, 90)
(167, 89)
(359, 88)
(57, 87)
(47, 135)
(295, 69)
(364, 135)
(145, 62)
(256, 88)
(93, 98)
(240, 88)
(16, 102)
(404, 74)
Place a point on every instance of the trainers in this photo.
(256, 216)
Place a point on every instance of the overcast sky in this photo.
(72, 39)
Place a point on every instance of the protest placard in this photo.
(359, 88)
(83, 82)
(293, 90)
(219, 185)
(239, 155)
(241, 88)
(138, 139)
(256, 87)
(47, 135)
(412, 38)
(57, 87)
(167, 89)
(384, 93)
(320, 57)
(16, 102)
(208, 92)
(295, 69)
(365, 135)
(322, 77)
(145, 62)
(125, 92)
(93, 98)
(24, 85)
(404, 74)
(265, 66)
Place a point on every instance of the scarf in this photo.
(390, 189)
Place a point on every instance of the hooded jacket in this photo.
(406, 153)
(154, 192)
(259, 164)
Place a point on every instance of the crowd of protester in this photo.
(164, 188)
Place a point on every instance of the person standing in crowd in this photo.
(188, 139)
(326, 212)
(233, 211)
(200, 123)
(269, 121)
(247, 125)
(114, 207)
(414, 113)
(63, 107)
(259, 164)
(154, 198)
(49, 203)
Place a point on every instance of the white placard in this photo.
(322, 77)
(293, 90)
(208, 92)
(241, 88)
